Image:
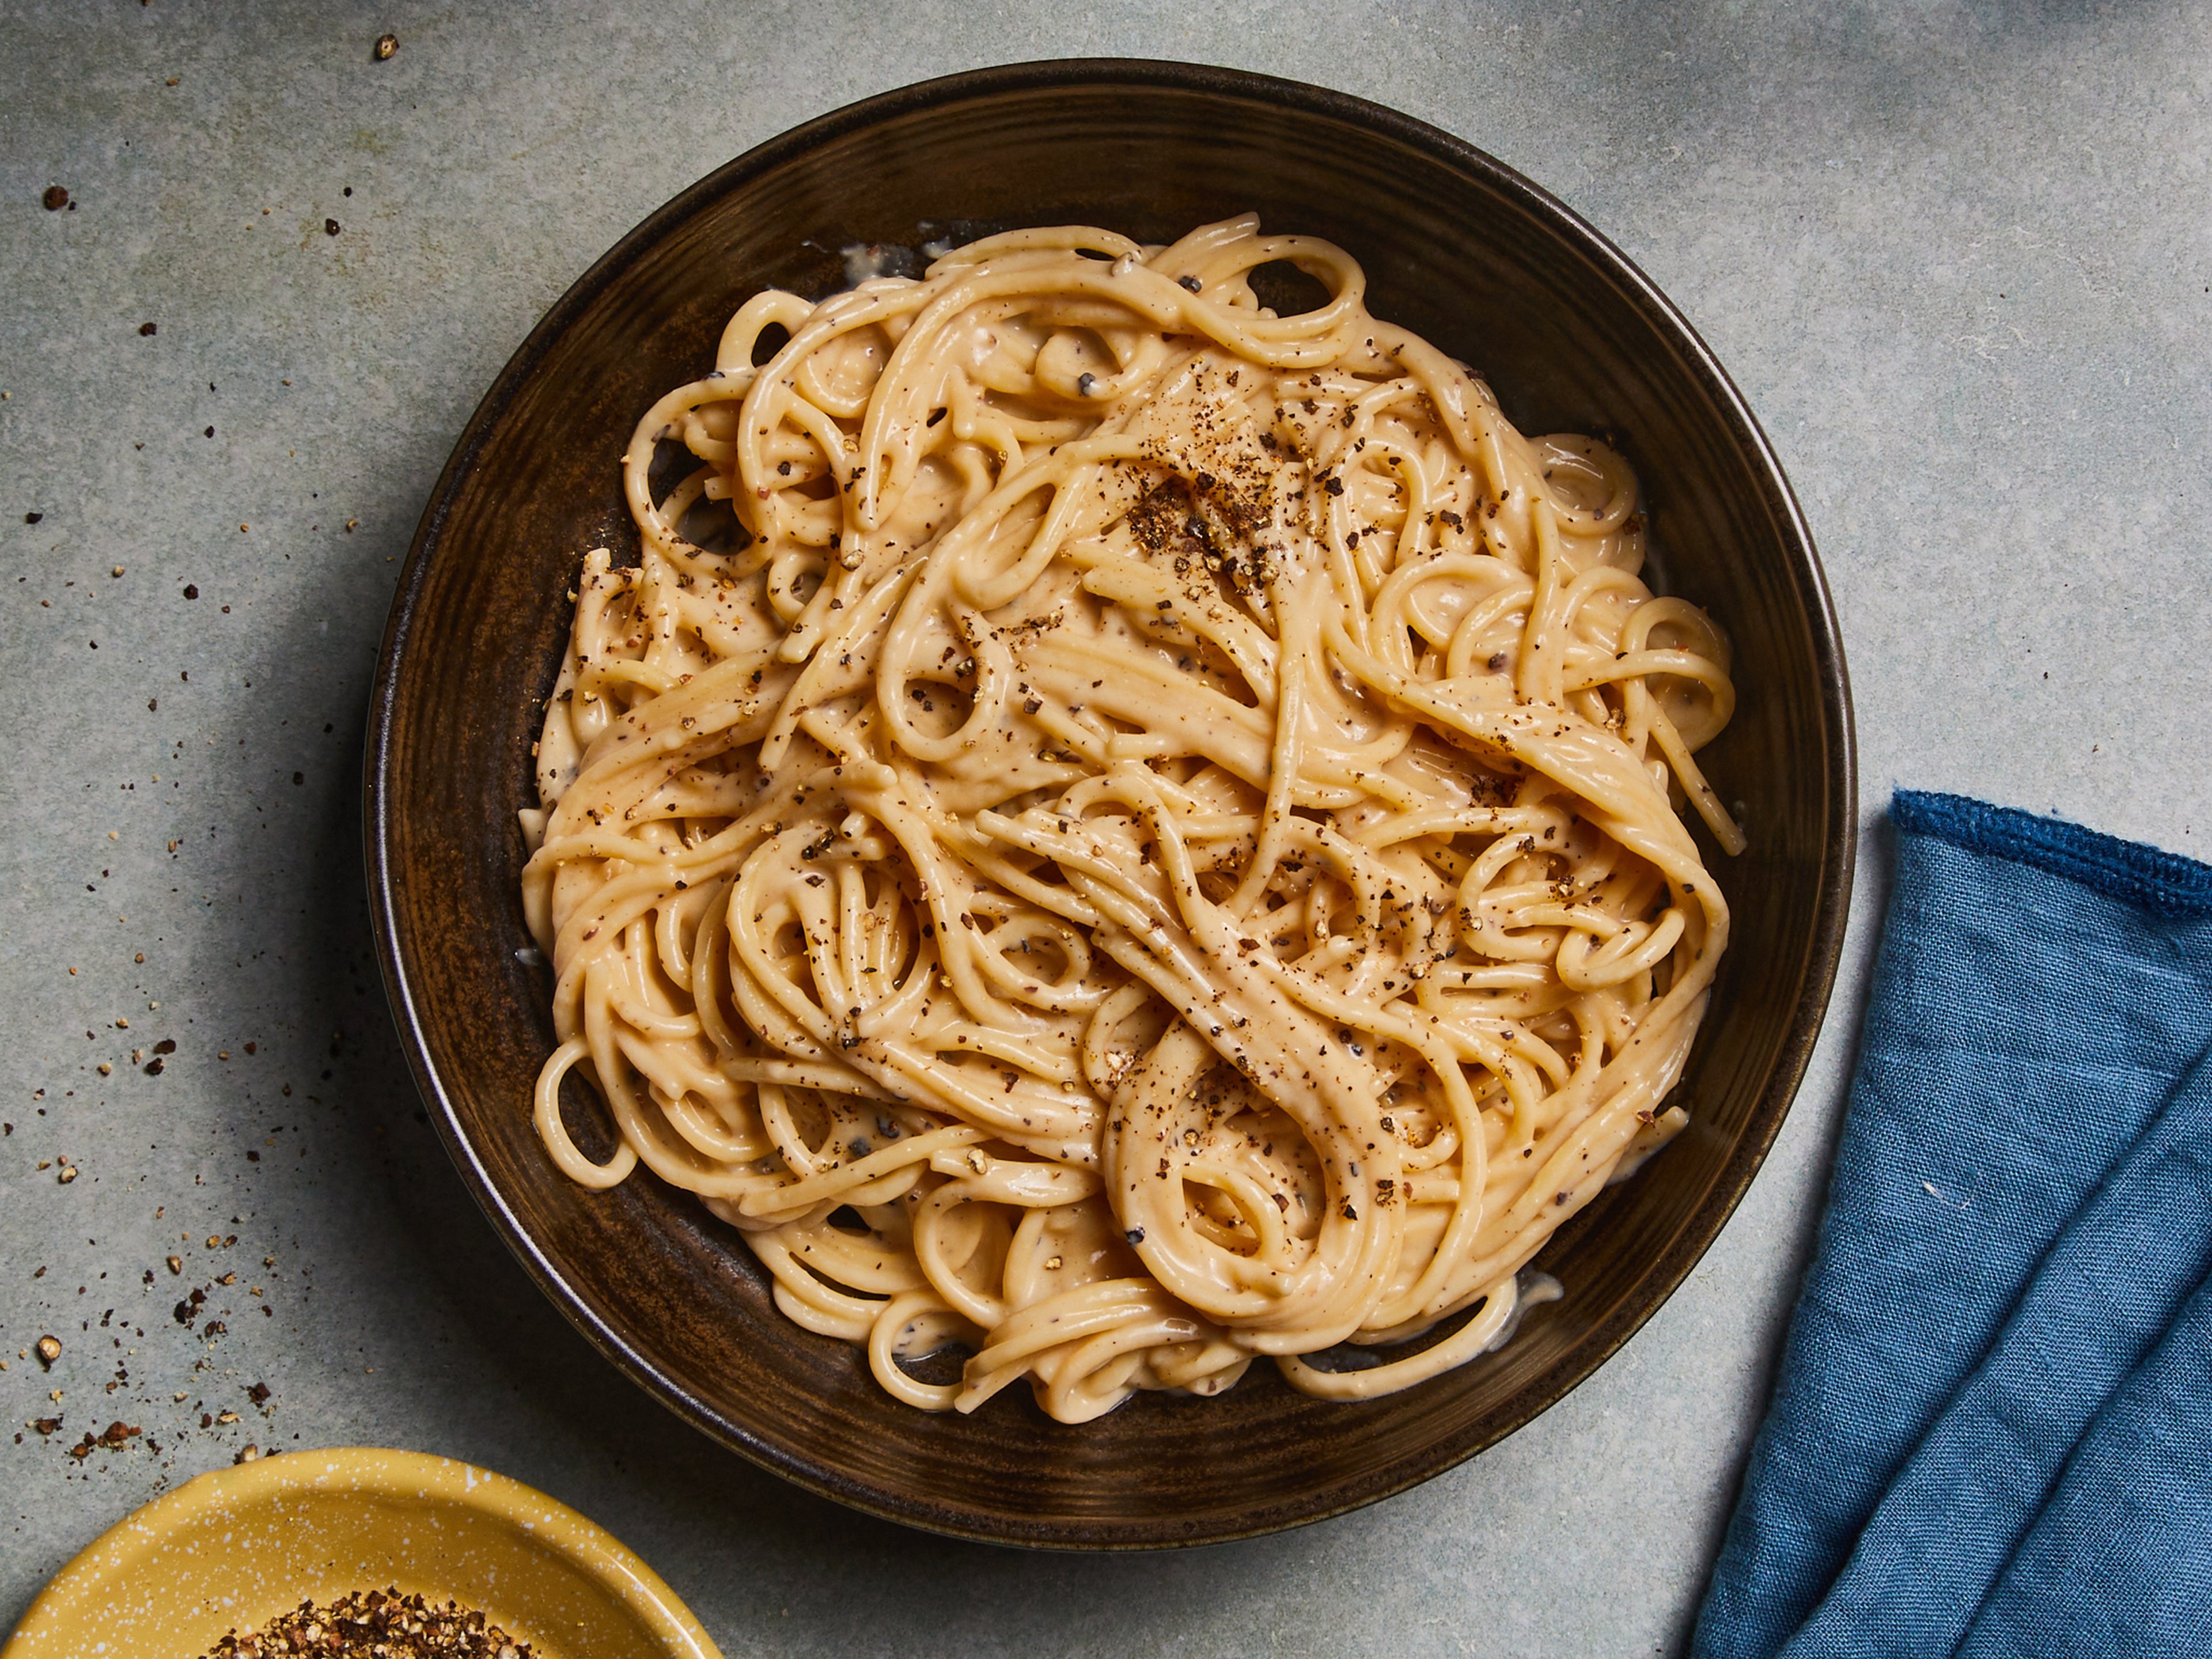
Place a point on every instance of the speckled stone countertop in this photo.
(1960, 262)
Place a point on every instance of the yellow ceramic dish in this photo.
(236, 1547)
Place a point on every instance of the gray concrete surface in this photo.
(1959, 256)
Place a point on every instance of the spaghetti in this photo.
(1155, 845)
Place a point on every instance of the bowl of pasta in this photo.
(1171, 842)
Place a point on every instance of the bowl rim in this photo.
(402, 1476)
(1837, 868)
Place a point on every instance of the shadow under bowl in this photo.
(1456, 246)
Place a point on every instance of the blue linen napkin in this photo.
(1992, 1433)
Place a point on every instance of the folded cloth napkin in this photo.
(1992, 1433)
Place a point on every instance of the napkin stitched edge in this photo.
(2158, 880)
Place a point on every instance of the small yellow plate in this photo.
(239, 1547)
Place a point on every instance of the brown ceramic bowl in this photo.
(1572, 337)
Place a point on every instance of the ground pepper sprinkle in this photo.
(383, 1623)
